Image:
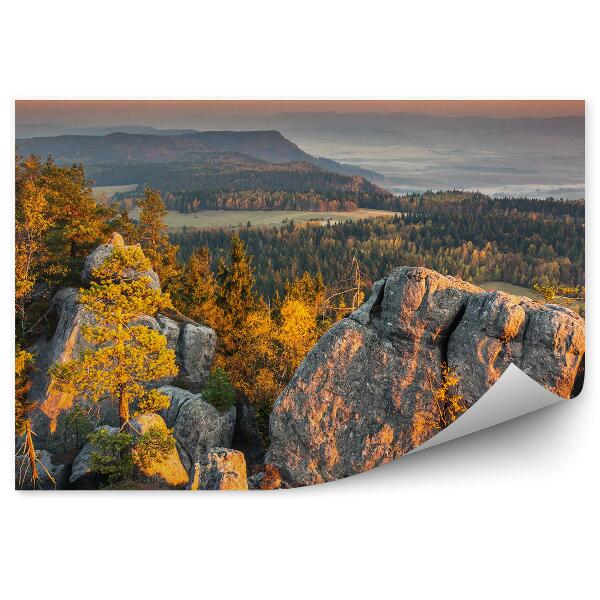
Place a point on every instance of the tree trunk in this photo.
(123, 413)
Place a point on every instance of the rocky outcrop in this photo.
(195, 352)
(66, 344)
(194, 347)
(197, 425)
(364, 394)
(224, 469)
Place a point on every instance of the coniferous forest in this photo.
(469, 235)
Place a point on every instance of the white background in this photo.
(507, 513)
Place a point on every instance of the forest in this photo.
(469, 235)
(191, 184)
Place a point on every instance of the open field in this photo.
(517, 290)
(104, 193)
(208, 219)
(509, 288)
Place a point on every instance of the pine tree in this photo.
(235, 293)
(152, 236)
(196, 292)
(79, 222)
(57, 223)
(128, 355)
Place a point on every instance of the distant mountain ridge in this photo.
(90, 150)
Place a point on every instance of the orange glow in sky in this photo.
(136, 111)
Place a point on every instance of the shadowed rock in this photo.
(50, 476)
(197, 425)
(364, 394)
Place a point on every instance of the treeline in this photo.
(187, 202)
(455, 201)
(520, 243)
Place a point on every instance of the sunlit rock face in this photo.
(358, 398)
(162, 473)
(224, 469)
(194, 347)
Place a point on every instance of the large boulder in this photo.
(53, 404)
(195, 352)
(166, 472)
(197, 425)
(224, 469)
(50, 476)
(97, 257)
(364, 394)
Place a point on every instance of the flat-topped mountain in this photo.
(119, 147)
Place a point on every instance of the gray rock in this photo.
(199, 426)
(364, 394)
(66, 344)
(104, 251)
(177, 397)
(224, 469)
(195, 353)
(170, 329)
(47, 471)
(81, 473)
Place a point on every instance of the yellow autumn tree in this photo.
(196, 292)
(31, 224)
(296, 334)
(127, 355)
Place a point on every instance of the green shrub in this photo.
(153, 446)
(112, 454)
(219, 391)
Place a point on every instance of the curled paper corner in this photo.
(513, 395)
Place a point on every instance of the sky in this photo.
(175, 113)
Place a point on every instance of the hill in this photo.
(122, 147)
(231, 172)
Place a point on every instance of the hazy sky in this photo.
(175, 113)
